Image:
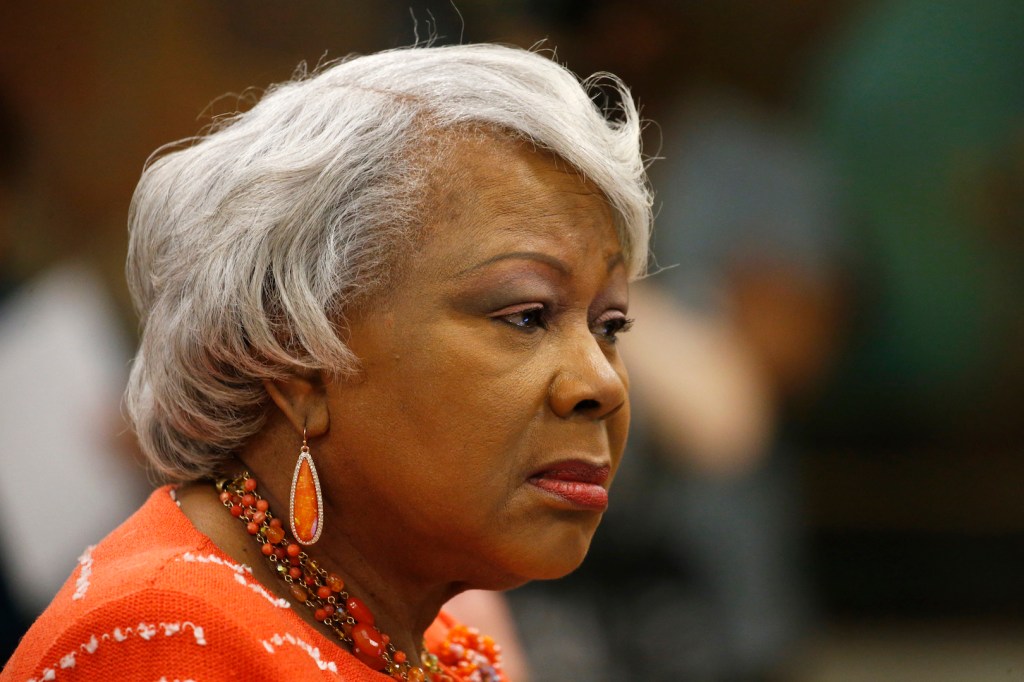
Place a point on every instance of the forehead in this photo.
(491, 192)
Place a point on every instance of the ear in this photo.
(302, 399)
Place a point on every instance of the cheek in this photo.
(471, 387)
(467, 405)
(476, 424)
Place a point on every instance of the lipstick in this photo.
(578, 483)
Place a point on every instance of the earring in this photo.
(306, 507)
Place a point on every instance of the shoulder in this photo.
(154, 633)
(145, 633)
(150, 603)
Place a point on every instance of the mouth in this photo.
(575, 484)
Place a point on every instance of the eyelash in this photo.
(616, 326)
(539, 314)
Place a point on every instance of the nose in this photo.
(587, 383)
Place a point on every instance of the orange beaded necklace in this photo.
(466, 654)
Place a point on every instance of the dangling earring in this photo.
(306, 508)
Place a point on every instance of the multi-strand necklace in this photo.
(465, 652)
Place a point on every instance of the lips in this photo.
(575, 483)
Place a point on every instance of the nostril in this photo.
(587, 405)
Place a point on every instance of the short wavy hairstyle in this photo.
(248, 244)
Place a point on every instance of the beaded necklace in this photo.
(472, 656)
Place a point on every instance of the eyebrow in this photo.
(521, 255)
(614, 260)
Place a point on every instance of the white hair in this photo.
(248, 245)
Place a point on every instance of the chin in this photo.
(560, 570)
(509, 581)
(554, 557)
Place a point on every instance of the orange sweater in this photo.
(157, 600)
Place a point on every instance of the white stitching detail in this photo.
(258, 589)
(314, 652)
(82, 582)
(240, 570)
(144, 630)
(197, 632)
(214, 559)
(90, 646)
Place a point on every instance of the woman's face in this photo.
(490, 412)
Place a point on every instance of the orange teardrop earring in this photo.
(306, 508)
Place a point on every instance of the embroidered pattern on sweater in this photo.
(314, 652)
(240, 571)
(146, 631)
(82, 582)
(260, 590)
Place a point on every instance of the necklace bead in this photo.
(359, 610)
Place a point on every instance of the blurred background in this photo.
(823, 479)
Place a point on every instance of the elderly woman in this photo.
(378, 357)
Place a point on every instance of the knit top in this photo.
(156, 600)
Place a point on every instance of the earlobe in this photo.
(303, 400)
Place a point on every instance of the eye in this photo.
(612, 325)
(527, 318)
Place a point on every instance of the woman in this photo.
(380, 309)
